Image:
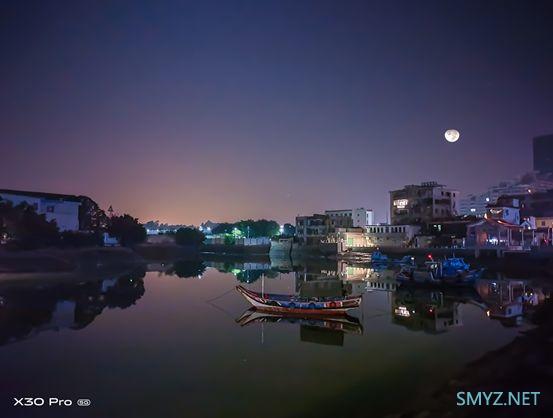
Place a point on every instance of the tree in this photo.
(25, 227)
(127, 230)
(91, 216)
(288, 230)
(223, 228)
(189, 236)
(249, 228)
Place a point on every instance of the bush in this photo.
(127, 230)
(25, 228)
(189, 237)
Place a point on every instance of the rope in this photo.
(220, 296)
(210, 302)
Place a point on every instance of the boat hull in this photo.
(291, 307)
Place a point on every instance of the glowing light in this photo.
(452, 135)
(401, 203)
(402, 311)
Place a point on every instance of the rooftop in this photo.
(51, 196)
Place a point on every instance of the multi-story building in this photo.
(312, 229)
(420, 204)
(351, 218)
(528, 184)
(543, 153)
(391, 235)
(61, 208)
(538, 206)
(506, 210)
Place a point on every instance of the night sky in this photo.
(188, 111)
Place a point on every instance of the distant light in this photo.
(472, 209)
(529, 191)
(487, 199)
(452, 135)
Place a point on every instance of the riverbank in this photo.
(524, 365)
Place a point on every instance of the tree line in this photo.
(21, 227)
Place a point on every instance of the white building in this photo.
(356, 218)
(391, 235)
(63, 209)
(506, 211)
(476, 204)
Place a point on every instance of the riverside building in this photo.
(423, 203)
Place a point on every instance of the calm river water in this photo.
(173, 341)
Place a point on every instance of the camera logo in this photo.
(83, 402)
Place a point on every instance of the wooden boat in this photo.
(289, 304)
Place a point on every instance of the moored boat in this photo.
(406, 260)
(300, 306)
(454, 265)
(432, 273)
(378, 258)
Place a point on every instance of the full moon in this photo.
(452, 135)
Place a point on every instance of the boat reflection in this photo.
(510, 301)
(27, 311)
(318, 330)
(427, 310)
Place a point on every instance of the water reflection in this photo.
(318, 330)
(425, 310)
(187, 268)
(432, 311)
(28, 310)
(180, 340)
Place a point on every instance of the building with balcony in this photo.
(391, 235)
(312, 229)
(420, 204)
(351, 218)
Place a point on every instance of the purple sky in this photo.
(187, 111)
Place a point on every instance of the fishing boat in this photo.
(432, 273)
(453, 265)
(406, 260)
(378, 258)
(290, 304)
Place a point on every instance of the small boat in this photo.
(452, 266)
(379, 258)
(432, 273)
(406, 260)
(290, 304)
